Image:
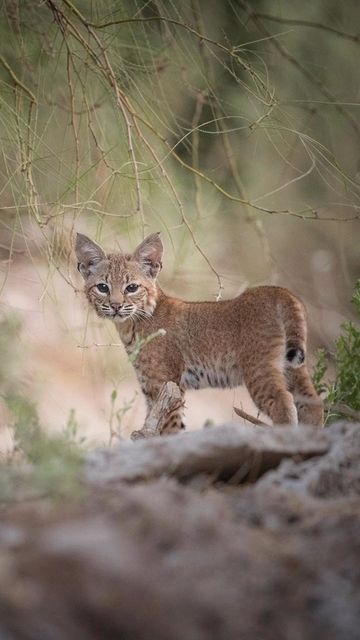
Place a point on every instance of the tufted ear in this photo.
(88, 254)
(149, 254)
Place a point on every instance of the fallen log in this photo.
(218, 451)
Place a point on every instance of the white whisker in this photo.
(139, 314)
(144, 313)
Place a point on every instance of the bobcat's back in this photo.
(220, 341)
(258, 337)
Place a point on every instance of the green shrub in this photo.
(47, 463)
(52, 463)
(342, 395)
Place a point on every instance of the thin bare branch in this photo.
(299, 66)
(249, 418)
(309, 23)
(343, 409)
(202, 37)
(16, 80)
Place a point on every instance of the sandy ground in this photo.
(62, 376)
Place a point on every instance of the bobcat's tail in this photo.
(295, 355)
(294, 319)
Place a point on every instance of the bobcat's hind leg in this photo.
(268, 389)
(310, 406)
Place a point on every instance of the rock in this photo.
(147, 555)
(225, 450)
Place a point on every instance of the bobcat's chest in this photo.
(212, 374)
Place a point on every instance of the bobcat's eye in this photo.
(131, 288)
(103, 287)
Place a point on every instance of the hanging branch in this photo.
(298, 65)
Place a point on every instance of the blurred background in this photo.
(232, 127)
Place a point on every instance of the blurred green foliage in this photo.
(345, 389)
(117, 414)
(55, 459)
(53, 462)
(10, 326)
(122, 115)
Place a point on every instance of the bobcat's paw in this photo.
(141, 434)
(138, 435)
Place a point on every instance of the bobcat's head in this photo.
(120, 286)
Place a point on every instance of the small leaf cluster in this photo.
(344, 390)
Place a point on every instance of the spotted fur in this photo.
(258, 338)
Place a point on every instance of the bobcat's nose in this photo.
(116, 306)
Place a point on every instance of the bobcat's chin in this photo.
(118, 319)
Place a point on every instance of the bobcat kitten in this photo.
(258, 338)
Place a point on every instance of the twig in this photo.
(120, 96)
(69, 63)
(298, 65)
(133, 119)
(201, 36)
(181, 209)
(308, 23)
(16, 80)
(100, 344)
(140, 344)
(250, 418)
(346, 411)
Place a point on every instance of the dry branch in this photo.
(17, 81)
(309, 75)
(249, 418)
(308, 23)
(346, 411)
(168, 401)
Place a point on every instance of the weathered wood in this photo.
(168, 401)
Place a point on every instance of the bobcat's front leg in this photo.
(164, 414)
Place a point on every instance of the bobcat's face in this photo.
(119, 289)
(120, 286)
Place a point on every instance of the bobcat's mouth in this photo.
(119, 315)
(107, 311)
(123, 314)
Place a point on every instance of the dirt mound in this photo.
(233, 532)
